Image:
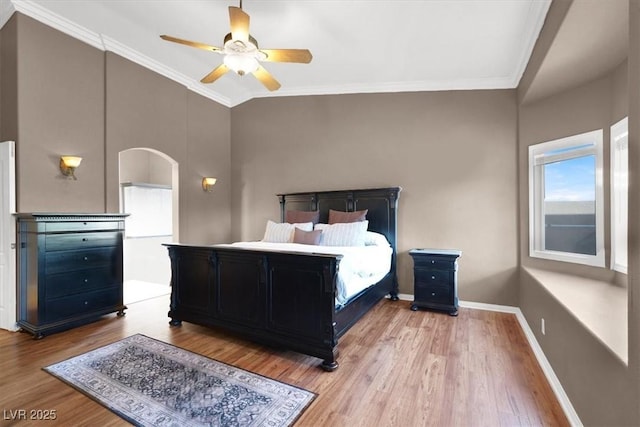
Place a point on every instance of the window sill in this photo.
(600, 306)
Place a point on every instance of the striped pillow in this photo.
(283, 232)
(344, 234)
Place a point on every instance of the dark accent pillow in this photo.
(307, 237)
(294, 217)
(339, 216)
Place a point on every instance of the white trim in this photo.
(538, 14)
(537, 159)
(37, 12)
(554, 382)
(8, 286)
(547, 369)
(6, 12)
(619, 131)
(124, 51)
(105, 43)
(538, 11)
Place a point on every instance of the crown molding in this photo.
(396, 87)
(536, 17)
(104, 43)
(35, 11)
(537, 14)
(124, 51)
(6, 11)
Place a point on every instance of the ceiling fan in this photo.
(241, 52)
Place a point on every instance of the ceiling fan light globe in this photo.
(241, 64)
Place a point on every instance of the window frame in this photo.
(537, 160)
(619, 138)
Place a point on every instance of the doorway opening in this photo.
(149, 194)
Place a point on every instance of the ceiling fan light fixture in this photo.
(241, 64)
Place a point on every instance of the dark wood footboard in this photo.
(281, 299)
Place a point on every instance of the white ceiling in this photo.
(357, 45)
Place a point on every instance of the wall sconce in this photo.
(68, 165)
(208, 183)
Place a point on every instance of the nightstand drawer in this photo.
(435, 294)
(433, 277)
(435, 264)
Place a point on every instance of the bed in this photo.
(287, 298)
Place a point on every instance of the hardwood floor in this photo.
(397, 368)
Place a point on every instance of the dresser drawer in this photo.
(75, 282)
(77, 305)
(64, 261)
(433, 277)
(56, 227)
(66, 241)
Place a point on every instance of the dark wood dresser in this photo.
(435, 284)
(69, 269)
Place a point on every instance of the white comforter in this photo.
(360, 267)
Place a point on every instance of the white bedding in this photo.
(360, 267)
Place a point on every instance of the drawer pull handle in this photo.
(433, 261)
(86, 280)
(433, 294)
(433, 277)
(86, 303)
(86, 258)
(84, 239)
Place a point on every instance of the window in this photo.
(150, 211)
(566, 199)
(619, 195)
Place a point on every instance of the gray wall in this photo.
(74, 99)
(602, 389)
(453, 153)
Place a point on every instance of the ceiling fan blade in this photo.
(287, 55)
(266, 79)
(190, 43)
(239, 23)
(215, 74)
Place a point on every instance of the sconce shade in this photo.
(68, 165)
(208, 183)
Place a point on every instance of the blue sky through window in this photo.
(571, 180)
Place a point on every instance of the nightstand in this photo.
(435, 279)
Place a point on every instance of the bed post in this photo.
(393, 205)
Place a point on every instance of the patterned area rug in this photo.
(152, 383)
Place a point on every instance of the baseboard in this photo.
(556, 386)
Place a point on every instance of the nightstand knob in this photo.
(433, 277)
(86, 258)
(433, 261)
(433, 294)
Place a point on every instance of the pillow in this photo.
(320, 226)
(302, 216)
(283, 232)
(372, 238)
(307, 237)
(344, 234)
(339, 216)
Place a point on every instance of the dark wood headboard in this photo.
(382, 204)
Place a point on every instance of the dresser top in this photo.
(68, 216)
(426, 251)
